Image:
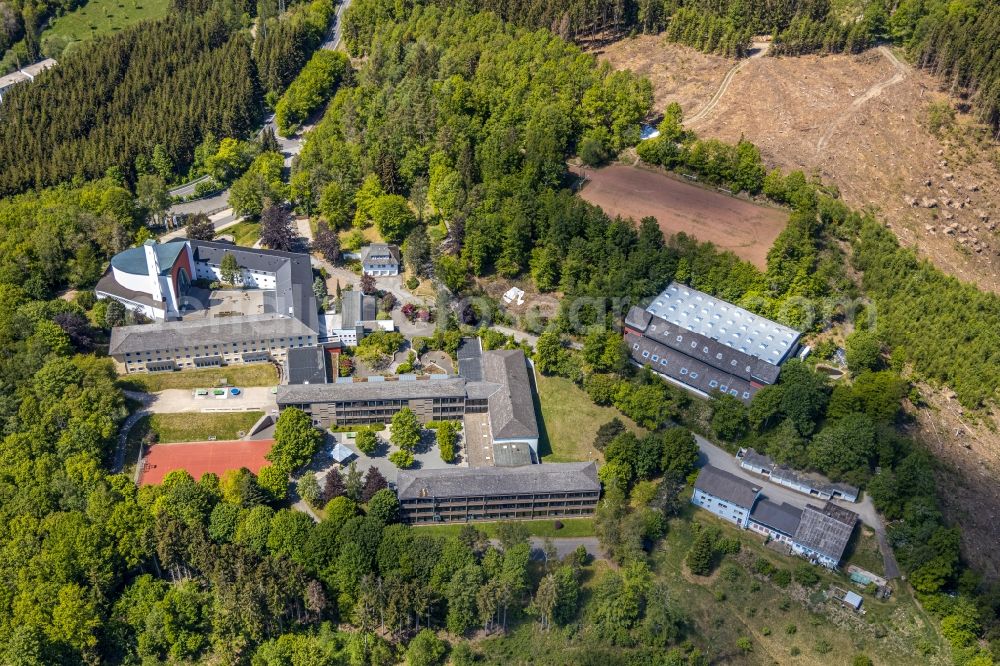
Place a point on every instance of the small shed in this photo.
(853, 599)
(341, 454)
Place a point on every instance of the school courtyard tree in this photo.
(405, 429)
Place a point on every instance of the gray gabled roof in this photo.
(685, 369)
(382, 252)
(826, 530)
(637, 319)
(356, 306)
(492, 481)
(512, 410)
(726, 487)
(711, 352)
(201, 333)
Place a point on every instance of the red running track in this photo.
(201, 457)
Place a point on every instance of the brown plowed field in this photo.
(743, 227)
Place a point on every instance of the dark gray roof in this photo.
(452, 387)
(109, 285)
(783, 474)
(492, 481)
(470, 359)
(637, 319)
(826, 530)
(712, 352)
(381, 252)
(356, 306)
(293, 294)
(512, 410)
(306, 365)
(781, 517)
(685, 369)
(726, 487)
(202, 332)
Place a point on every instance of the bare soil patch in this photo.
(745, 228)
(678, 73)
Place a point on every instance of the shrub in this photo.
(782, 577)
(412, 283)
(805, 575)
(795, 651)
(823, 646)
(791, 629)
(402, 459)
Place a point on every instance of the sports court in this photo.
(201, 457)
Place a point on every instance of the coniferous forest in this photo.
(169, 83)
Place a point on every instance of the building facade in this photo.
(380, 259)
(726, 495)
(552, 490)
(706, 345)
(807, 484)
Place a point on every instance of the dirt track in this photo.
(748, 230)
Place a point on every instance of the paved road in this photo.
(187, 189)
(722, 459)
(337, 32)
(221, 220)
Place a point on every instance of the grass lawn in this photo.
(101, 17)
(243, 233)
(195, 427)
(257, 374)
(863, 551)
(569, 421)
(572, 528)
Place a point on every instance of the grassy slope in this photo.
(732, 603)
(570, 420)
(196, 427)
(260, 374)
(243, 233)
(572, 527)
(101, 17)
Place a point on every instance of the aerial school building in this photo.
(158, 280)
(705, 345)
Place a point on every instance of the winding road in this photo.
(759, 49)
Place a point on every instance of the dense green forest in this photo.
(107, 105)
(22, 21)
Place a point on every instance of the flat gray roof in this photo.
(784, 474)
(356, 306)
(512, 454)
(202, 332)
(306, 365)
(452, 387)
(730, 324)
(492, 481)
(726, 487)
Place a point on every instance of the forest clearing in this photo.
(937, 189)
